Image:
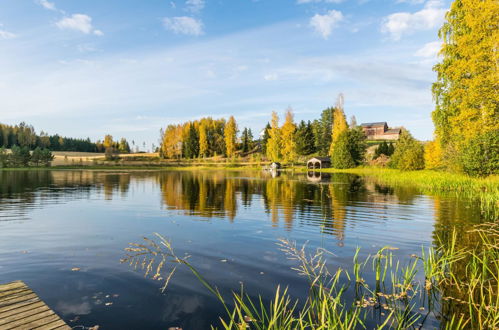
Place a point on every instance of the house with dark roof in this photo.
(380, 131)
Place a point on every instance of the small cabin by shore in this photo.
(319, 162)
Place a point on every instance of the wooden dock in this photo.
(20, 308)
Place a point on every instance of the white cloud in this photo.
(315, 1)
(167, 84)
(271, 77)
(184, 25)
(47, 5)
(398, 24)
(78, 22)
(195, 5)
(324, 24)
(6, 34)
(430, 49)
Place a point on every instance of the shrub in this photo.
(46, 157)
(341, 156)
(357, 144)
(480, 156)
(36, 156)
(384, 149)
(111, 153)
(408, 154)
(20, 156)
(4, 158)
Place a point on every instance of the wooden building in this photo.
(380, 131)
(319, 162)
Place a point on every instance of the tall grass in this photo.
(456, 286)
(486, 190)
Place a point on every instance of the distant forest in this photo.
(24, 135)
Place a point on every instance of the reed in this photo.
(486, 190)
(457, 286)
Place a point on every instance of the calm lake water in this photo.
(229, 222)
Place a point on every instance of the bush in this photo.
(4, 158)
(480, 156)
(19, 156)
(357, 144)
(36, 156)
(111, 153)
(341, 156)
(408, 154)
(384, 149)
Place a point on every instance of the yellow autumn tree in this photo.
(230, 132)
(203, 139)
(433, 155)
(274, 142)
(466, 92)
(171, 142)
(339, 123)
(108, 141)
(288, 137)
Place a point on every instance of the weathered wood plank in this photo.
(12, 285)
(19, 316)
(16, 298)
(59, 325)
(43, 322)
(29, 320)
(15, 303)
(19, 304)
(5, 294)
(20, 308)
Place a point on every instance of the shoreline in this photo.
(427, 180)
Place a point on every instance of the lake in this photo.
(64, 233)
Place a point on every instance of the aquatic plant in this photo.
(456, 286)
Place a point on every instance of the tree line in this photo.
(206, 137)
(23, 157)
(24, 135)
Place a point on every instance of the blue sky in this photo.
(130, 67)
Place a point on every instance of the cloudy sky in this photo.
(129, 67)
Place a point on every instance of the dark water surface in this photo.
(229, 222)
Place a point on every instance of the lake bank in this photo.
(427, 180)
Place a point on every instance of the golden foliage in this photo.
(275, 142)
(230, 132)
(433, 155)
(339, 122)
(466, 91)
(288, 137)
(203, 140)
(171, 145)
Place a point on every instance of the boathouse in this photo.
(319, 162)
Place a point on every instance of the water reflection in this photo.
(66, 219)
(330, 201)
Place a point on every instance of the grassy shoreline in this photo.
(426, 180)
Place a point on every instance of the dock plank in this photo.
(21, 308)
